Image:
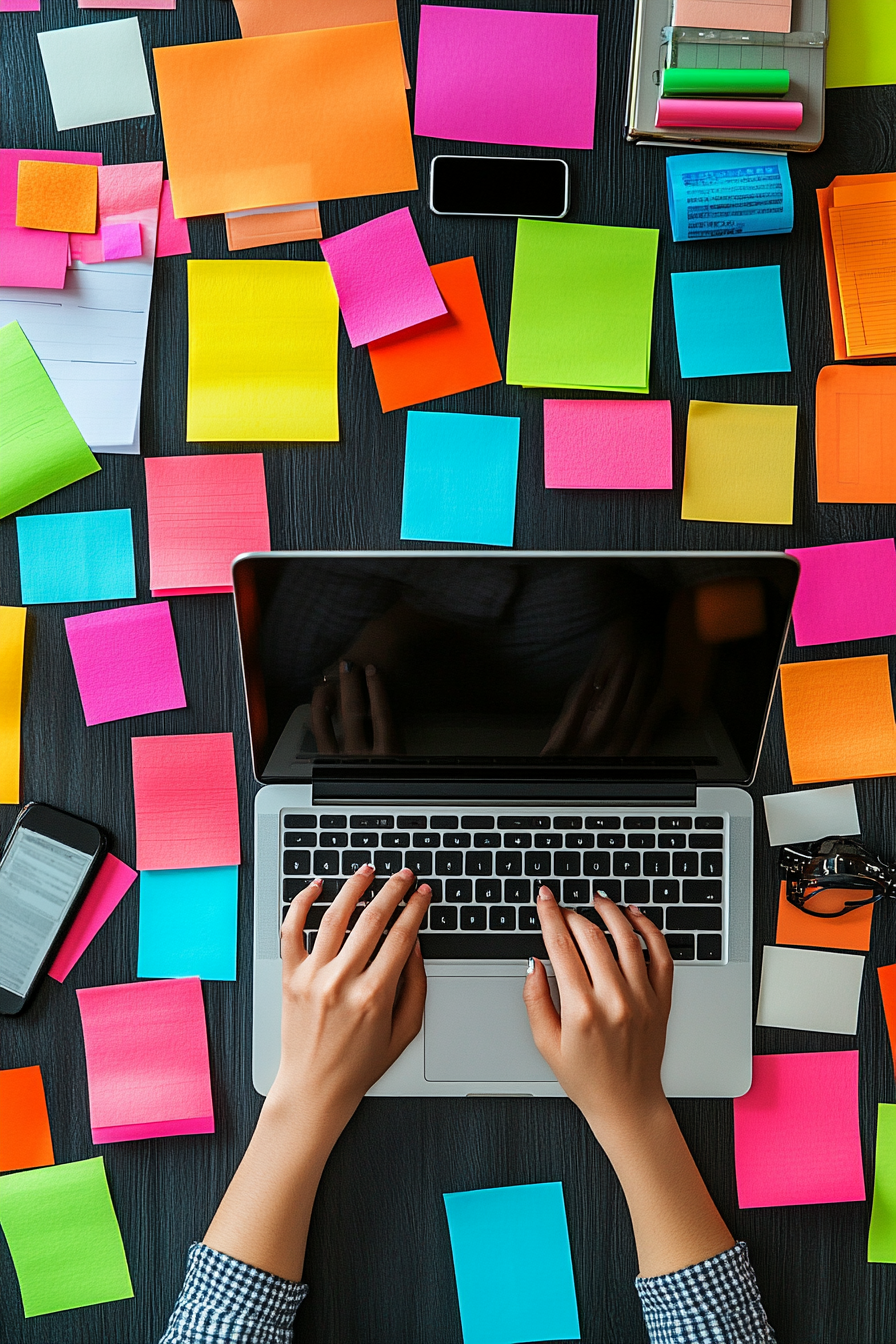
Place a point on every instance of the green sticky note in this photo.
(862, 43)
(63, 1237)
(41, 447)
(882, 1232)
(582, 306)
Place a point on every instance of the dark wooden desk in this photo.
(379, 1262)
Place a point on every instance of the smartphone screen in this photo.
(479, 185)
(39, 879)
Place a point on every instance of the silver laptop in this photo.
(499, 720)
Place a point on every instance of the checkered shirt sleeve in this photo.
(224, 1300)
(715, 1302)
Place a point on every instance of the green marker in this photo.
(679, 83)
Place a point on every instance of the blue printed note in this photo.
(460, 478)
(512, 1264)
(729, 322)
(188, 923)
(76, 557)
(728, 195)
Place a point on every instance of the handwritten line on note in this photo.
(185, 801)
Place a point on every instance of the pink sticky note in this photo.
(507, 77)
(125, 661)
(174, 237)
(19, 6)
(846, 591)
(147, 1060)
(131, 4)
(32, 257)
(607, 445)
(796, 1132)
(382, 277)
(128, 193)
(111, 883)
(121, 240)
(202, 511)
(185, 801)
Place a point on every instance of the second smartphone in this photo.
(468, 184)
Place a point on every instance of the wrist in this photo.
(630, 1131)
(303, 1123)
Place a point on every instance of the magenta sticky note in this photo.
(111, 883)
(19, 6)
(121, 240)
(173, 238)
(35, 258)
(125, 661)
(506, 77)
(845, 591)
(607, 445)
(146, 1047)
(382, 278)
(796, 1132)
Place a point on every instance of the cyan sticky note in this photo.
(188, 923)
(512, 1264)
(729, 322)
(460, 478)
(76, 557)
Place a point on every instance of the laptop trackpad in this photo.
(476, 1030)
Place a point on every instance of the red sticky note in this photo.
(185, 801)
(887, 977)
(173, 238)
(25, 1139)
(607, 445)
(111, 883)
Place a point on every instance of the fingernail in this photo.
(424, 889)
(370, 670)
(636, 910)
(545, 894)
(316, 882)
(346, 666)
(405, 872)
(531, 967)
(366, 868)
(601, 895)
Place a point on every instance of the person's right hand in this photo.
(361, 701)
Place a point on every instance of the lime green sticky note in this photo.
(882, 1232)
(63, 1237)
(41, 447)
(582, 306)
(862, 43)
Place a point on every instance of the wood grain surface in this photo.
(379, 1261)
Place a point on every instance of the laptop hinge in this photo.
(678, 786)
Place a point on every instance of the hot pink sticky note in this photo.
(131, 4)
(507, 77)
(607, 445)
(125, 661)
(174, 237)
(185, 801)
(202, 511)
(846, 591)
(147, 1060)
(19, 6)
(111, 883)
(382, 277)
(121, 240)
(796, 1132)
(32, 257)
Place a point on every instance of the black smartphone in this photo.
(47, 866)
(467, 184)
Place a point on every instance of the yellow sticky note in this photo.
(12, 652)
(739, 463)
(263, 342)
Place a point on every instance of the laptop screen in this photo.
(622, 661)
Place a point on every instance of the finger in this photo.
(595, 952)
(600, 721)
(571, 975)
(361, 942)
(544, 1020)
(292, 942)
(628, 949)
(335, 921)
(399, 942)
(407, 1016)
(661, 969)
(566, 729)
(641, 687)
(354, 709)
(323, 702)
(384, 735)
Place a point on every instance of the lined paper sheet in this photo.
(864, 239)
(855, 434)
(185, 801)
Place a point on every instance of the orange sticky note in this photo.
(826, 199)
(887, 977)
(261, 18)
(294, 117)
(850, 932)
(838, 719)
(269, 228)
(185, 801)
(25, 1139)
(855, 434)
(448, 354)
(60, 197)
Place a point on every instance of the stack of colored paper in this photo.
(858, 231)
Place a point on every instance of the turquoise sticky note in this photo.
(460, 478)
(730, 322)
(188, 923)
(76, 557)
(512, 1264)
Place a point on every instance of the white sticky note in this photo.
(811, 814)
(810, 991)
(96, 73)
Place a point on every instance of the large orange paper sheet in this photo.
(855, 434)
(261, 18)
(838, 719)
(850, 932)
(887, 977)
(296, 117)
(826, 199)
(25, 1139)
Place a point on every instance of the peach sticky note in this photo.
(202, 512)
(174, 237)
(12, 655)
(887, 977)
(234, 112)
(796, 1132)
(111, 883)
(146, 1047)
(739, 463)
(56, 196)
(261, 18)
(121, 240)
(272, 225)
(838, 719)
(25, 1139)
(185, 801)
(855, 434)
(767, 16)
(850, 933)
(607, 445)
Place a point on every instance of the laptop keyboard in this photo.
(485, 871)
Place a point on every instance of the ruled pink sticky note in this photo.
(607, 445)
(146, 1047)
(32, 257)
(185, 801)
(174, 237)
(382, 277)
(125, 661)
(111, 883)
(845, 591)
(121, 241)
(202, 511)
(796, 1132)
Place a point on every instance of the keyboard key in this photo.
(359, 839)
(456, 840)
(395, 840)
(579, 840)
(518, 840)
(655, 865)
(315, 915)
(477, 865)
(602, 823)
(609, 887)
(502, 918)
(426, 840)
(518, 892)
(577, 892)
(527, 920)
(638, 841)
(549, 841)
(297, 862)
(654, 914)
(473, 918)
(419, 861)
(639, 824)
(331, 822)
(665, 893)
(293, 822)
(681, 945)
(291, 889)
(458, 889)
(387, 861)
(326, 862)
(702, 893)
(711, 864)
(637, 893)
(567, 865)
(310, 939)
(611, 841)
(552, 883)
(523, 823)
(372, 822)
(488, 840)
(443, 823)
(478, 823)
(488, 891)
(333, 840)
(508, 865)
(442, 919)
(673, 841)
(300, 839)
(675, 823)
(706, 841)
(701, 917)
(414, 823)
(353, 859)
(330, 889)
(538, 865)
(626, 865)
(435, 886)
(596, 865)
(686, 865)
(449, 864)
(709, 824)
(567, 823)
(709, 947)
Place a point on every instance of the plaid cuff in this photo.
(224, 1300)
(715, 1302)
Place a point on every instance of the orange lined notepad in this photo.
(855, 434)
(854, 215)
(185, 801)
(838, 719)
